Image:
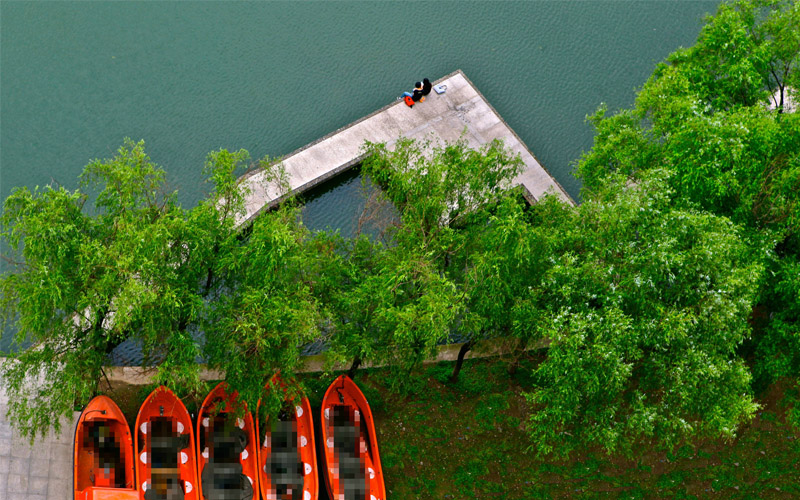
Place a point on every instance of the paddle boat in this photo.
(287, 457)
(103, 454)
(227, 457)
(352, 462)
(166, 465)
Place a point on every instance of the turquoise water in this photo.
(270, 77)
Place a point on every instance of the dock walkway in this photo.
(42, 471)
(460, 113)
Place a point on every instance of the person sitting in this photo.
(417, 94)
(426, 86)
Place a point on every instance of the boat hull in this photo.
(227, 458)
(288, 443)
(103, 454)
(352, 460)
(166, 458)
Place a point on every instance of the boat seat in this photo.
(352, 477)
(225, 482)
(284, 465)
(94, 493)
(165, 444)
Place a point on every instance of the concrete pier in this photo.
(42, 471)
(461, 112)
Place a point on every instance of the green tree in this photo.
(119, 259)
(439, 188)
(265, 310)
(384, 304)
(86, 278)
(350, 295)
(445, 196)
(646, 306)
(506, 261)
(705, 116)
(776, 349)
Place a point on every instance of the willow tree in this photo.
(349, 294)
(86, 278)
(506, 261)
(646, 306)
(445, 196)
(119, 259)
(713, 115)
(265, 309)
(383, 304)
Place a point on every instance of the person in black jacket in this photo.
(426, 86)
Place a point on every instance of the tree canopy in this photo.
(645, 305)
(395, 302)
(118, 259)
(667, 299)
(713, 116)
(86, 279)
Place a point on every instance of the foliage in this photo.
(388, 305)
(265, 310)
(646, 305)
(132, 264)
(777, 351)
(185, 283)
(713, 116)
(436, 188)
(393, 303)
(507, 258)
(84, 283)
(704, 115)
(349, 289)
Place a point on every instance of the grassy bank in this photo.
(467, 440)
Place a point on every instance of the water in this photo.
(350, 204)
(270, 77)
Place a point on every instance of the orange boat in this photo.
(287, 457)
(352, 462)
(103, 454)
(166, 465)
(227, 458)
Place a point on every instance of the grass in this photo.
(467, 440)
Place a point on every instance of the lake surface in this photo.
(270, 77)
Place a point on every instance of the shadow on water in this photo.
(350, 204)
